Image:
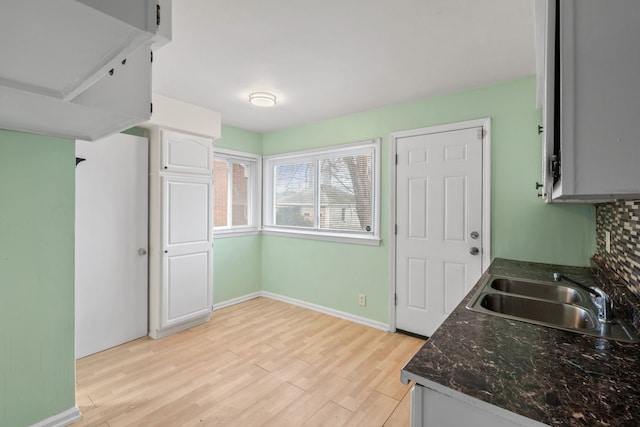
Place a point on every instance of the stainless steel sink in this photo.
(562, 315)
(560, 306)
(542, 290)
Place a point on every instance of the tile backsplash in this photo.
(620, 267)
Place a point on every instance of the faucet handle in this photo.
(604, 304)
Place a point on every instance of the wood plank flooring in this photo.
(258, 363)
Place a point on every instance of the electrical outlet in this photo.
(362, 299)
(607, 241)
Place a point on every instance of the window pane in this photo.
(220, 192)
(346, 193)
(240, 194)
(294, 194)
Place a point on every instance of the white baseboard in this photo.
(235, 301)
(330, 311)
(62, 419)
(315, 307)
(161, 333)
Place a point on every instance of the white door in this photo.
(439, 217)
(187, 252)
(110, 242)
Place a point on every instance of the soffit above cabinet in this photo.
(59, 59)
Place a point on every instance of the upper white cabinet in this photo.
(182, 153)
(589, 68)
(78, 69)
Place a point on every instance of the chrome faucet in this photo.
(600, 298)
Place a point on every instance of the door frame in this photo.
(485, 123)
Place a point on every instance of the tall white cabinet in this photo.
(180, 231)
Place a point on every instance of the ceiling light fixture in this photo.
(262, 99)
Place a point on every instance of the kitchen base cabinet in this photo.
(431, 408)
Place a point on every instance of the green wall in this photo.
(237, 261)
(522, 226)
(233, 138)
(37, 363)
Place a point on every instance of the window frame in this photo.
(316, 155)
(254, 197)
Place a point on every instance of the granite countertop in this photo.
(555, 377)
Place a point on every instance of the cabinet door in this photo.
(187, 281)
(183, 153)
(430, 408)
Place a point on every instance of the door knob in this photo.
(474, 251)
(475, 234)
(142, 251)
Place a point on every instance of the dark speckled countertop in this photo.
(555, 377)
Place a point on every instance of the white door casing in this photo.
(440, 186)
(110, 242)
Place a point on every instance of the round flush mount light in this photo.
(262, 99)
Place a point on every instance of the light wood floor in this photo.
(262, 362)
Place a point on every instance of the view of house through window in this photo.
(327, 190)
(232, 192)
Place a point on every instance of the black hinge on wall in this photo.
(151, 108)
(151, 56)
(396, 230)
(395, 299)
(396, 159)
(158, 15)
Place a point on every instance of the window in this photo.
(330, 192)
(236, 192)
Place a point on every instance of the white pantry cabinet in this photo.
(78, 68)
(589, 63)
(180, 231)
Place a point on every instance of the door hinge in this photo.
(396, 230)
(395, 299)
(480, 133)
(151, 56)
(151, 107)
(396, 159)
(158, 15)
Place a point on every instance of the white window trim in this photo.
(255, 196)
(315, 234)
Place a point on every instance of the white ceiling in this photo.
(328, 58)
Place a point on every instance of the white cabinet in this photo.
(431, 408)
(186, 154)
(187, 263)
(78, 68)
(181, 231)
(591, 98)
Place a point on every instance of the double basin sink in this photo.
(552, 304)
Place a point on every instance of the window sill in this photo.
(223, 234)
(327, 237)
